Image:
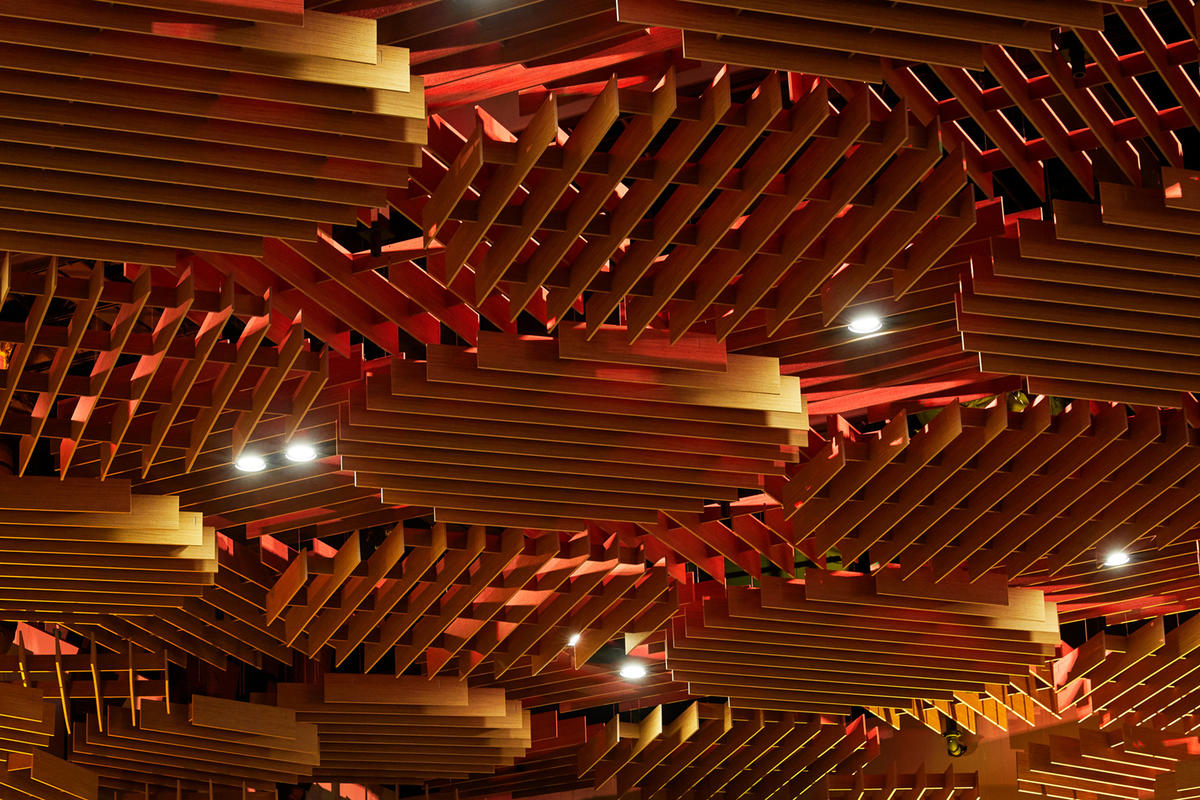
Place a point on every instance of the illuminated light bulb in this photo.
(300, 451)
(865, 323)
(573, 640)
(250, 462)
(632, 671)
(1116, 558)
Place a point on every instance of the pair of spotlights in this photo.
(297, 452)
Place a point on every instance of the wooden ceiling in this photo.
(640, 399)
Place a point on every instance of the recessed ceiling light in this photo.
(250, 462)
(573, 640)
(1116, 558)
(300, 451)
(632, 671)
(865, 323)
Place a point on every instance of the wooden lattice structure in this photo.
(639, 399)
(115, 104)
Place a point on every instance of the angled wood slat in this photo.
(705, 751)
(1159, 579)
(127, 403)
(573, 687)
(453, 603)
(210, 741)
(1129, 763)
(374, 728)
(684, 263)
(764, 413)
(1147, 678)
(1047, 494)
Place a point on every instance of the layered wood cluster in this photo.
(78, 547)
(704, 207)
(546, 433)
(42, 776)
(856, 40)
(141, 371)
(138, 130)
(801, 646)
(1149, 678)
(27, 719)
(212, 741)
(95, 679)
(1099, 303)
(461, 603)
(913, 363)
(704, 751)
(1046, 494)
(1128, 763)
(573, 687)
(409, 730)
(1156, 581)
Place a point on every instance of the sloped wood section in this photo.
(210, 741)
(26, 719)
(776, 233)
(143, 371)
(82, 547)
(1048, 493)
(1098, 304)
(704, 750)
(772, 648)
(1147, 678)
(854, 40)
(541, 433)
(41, 776)
(380, 729)
(135, 131)
(466, 604)
(1129, 763)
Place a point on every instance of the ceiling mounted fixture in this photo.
(250, 462)
(300, 452)
(865, 323)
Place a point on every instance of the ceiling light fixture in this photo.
(1117, 558)
(865, 323)
(573, 640)
(300, 451)
(250, 462)
(631, 670)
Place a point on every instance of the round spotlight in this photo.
(632, 670)
(865, 323)
(573, 640)
(1117, 558)
(300, 451)
(250, 462)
